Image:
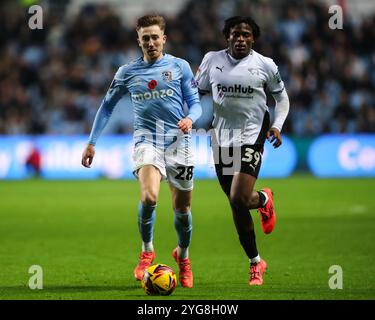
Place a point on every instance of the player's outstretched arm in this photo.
(88, 155)
(116, 90)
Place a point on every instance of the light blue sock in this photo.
(146, 220)
(184, 227)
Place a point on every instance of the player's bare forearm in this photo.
(274, 137)
(185, 125)
(88, 156)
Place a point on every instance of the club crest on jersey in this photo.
(167, 76)
(253, 71)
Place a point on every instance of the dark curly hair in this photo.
(233, 21)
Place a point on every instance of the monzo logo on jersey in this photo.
(237, 88)
(156, 94)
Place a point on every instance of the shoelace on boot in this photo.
(254, 273)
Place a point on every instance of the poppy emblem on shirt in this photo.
(166, 76)
(152, 84)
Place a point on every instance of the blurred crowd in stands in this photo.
(52, 80)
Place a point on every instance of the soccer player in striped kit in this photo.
(237, 78)
(158, 84)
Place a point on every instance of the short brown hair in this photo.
(151, 20)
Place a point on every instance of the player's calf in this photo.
(240, 202)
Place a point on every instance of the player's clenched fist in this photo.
(185, 125)
(88, 156)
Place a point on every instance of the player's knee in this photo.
(239, 201)
(183, 208)
(149, 198)
(182, 205)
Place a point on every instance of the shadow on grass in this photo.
(95, 291)
(67, 289)
(134, 291)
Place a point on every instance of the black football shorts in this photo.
(229, 160)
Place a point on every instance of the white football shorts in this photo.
(175, 163)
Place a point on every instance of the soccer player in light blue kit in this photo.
(159, 84)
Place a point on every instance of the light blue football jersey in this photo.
(158, 91)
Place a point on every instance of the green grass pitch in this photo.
(84, 235)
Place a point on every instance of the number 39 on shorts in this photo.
(252, 157)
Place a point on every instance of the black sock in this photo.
(262, 199)
(245, 230)
(248, 243)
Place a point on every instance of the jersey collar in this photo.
(153, 63)
(235, 61)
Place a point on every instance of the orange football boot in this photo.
(268, 213)
(145, 260)
(185, 273)
(256, 273)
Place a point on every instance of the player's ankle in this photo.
(147, 247)
(255, 260)
(263, 198)
(182, 253)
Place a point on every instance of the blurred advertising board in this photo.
(60, 157)
(343, 156)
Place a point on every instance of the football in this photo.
(159, 279)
